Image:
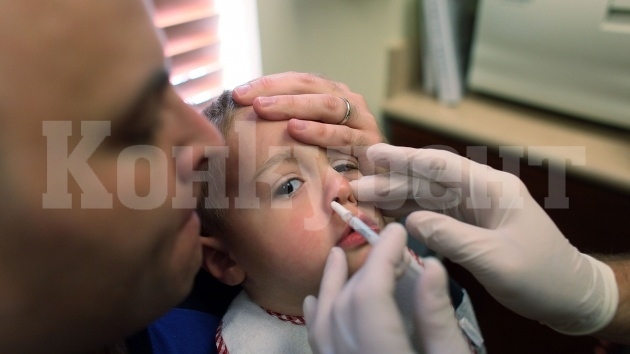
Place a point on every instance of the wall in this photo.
(346, 40)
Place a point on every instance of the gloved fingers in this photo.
(319, 333)
(375, 280)
(366, 318)
(318, 312)
(390, 158)
(460, 242)
(333, 280)
(309, 308)
(395, 209)
(386, 255)
(454, 173)
(435, 318)
(436, 165)
(391, 191)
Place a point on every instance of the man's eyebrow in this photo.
(156, 82)
(130, 116)
(272, 161)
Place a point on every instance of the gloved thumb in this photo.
(460, 242)
(392, 158)
(435, 318)
(309, 307)
(387, 254)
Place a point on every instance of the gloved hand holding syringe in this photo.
(491, 226)
(360, 315)
(407, 273)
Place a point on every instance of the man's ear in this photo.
(218, 262)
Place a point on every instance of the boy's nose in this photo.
(342, 192)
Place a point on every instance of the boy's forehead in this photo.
(267, 132)
(264, 139)
(253, 140)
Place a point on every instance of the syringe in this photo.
(372, 237)
(357, 224)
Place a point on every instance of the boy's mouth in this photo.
(350, 238)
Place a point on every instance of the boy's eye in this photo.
(289, 187)
(346, 167)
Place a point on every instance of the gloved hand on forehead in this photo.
(490, 224)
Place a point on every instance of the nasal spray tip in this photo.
(357, 224)
(341, 211)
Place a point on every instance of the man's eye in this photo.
(289, 187)
(139, 128)
(346, 167)
(137, 136)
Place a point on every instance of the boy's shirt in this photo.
(190, 328)
(249, 328)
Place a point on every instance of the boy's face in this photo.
(282, 225)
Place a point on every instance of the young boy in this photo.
(275, 228)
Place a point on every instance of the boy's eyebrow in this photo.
(340, 155)
(272, 161)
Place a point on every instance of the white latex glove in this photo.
(506, 240)
(434, 317)
(361, 316)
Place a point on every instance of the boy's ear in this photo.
(218, 262)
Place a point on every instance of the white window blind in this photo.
(192, 44)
